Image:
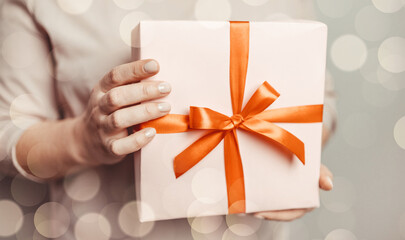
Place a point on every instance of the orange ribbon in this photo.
(252, 118)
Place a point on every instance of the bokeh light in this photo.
(206, 225)
(230, 235)
(391, 54)
(371, 24)
(212, 10)
(95, 204)
(389, 80)
(335, 9)
(128, 4)
(17, 53)
(342, 197)
(52, 220)
(388, 6)
(341, 234)
(377, 95)
(129, 222)
(11, 218)
(243, 224)
(205, 185)
(128, 23)
(356, 130)
(82, 186)
(21, 109)
(255, 2)
(399, 132)
(75, 6)
(92, 226)
(111, 212)
(348, 52)
(26, 192)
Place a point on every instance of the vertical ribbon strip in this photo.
(252, 118)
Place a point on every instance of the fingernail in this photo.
(151, 67)
(164, 107)
(150, 132)
(164, 87)
(330, 182)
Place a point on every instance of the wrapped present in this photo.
(245, 130)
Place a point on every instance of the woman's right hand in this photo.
(114, 106)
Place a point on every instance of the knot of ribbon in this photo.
(253, 118)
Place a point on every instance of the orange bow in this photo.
(252, 118)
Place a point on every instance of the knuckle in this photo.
(115, 120)
(148, 110)
(113, 75)
(138, 142)
(113, 98)
(113, 148)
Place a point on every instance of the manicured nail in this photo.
(330, 182)
(150, 132)
(164, 87)
(164, 107)
(151, 67)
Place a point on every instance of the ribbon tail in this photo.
(271, 131)
(235, 182)
(172, 123)
(298, 114)
(196, 152)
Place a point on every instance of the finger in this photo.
(129, 73)
(131, 94)
(325, 179)
(130, 116)
(283, 215)
(133, 142)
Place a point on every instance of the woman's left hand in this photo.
(325, 183)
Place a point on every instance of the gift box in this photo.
(245, 129)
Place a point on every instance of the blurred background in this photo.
(366, 59)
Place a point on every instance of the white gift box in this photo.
(194, 59)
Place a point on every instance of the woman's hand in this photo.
(114, 106)
(325, 183)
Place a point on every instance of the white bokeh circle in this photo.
(129, 4)
(23, 110)
(389, 80)
(357, 129)
(212, 10)
(11, 219)
(205, 185)
(230, 235)
(391, 54)
(371, 24)
(388, 6)
(82, 186)
(369, 69)
(255, 2)
(52, 220)
(111, 211)
(376, 95)
(342, 198)
(335, 9)
(75, 6)
(128, 24)
(95, 204)
(399, 132)
(340, 234)
(348, 53)
(92, 226)
(18, 54)
(129, 223)
(206, 225)
(242, 224)
(26, 192)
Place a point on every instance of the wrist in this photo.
(78, 146)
